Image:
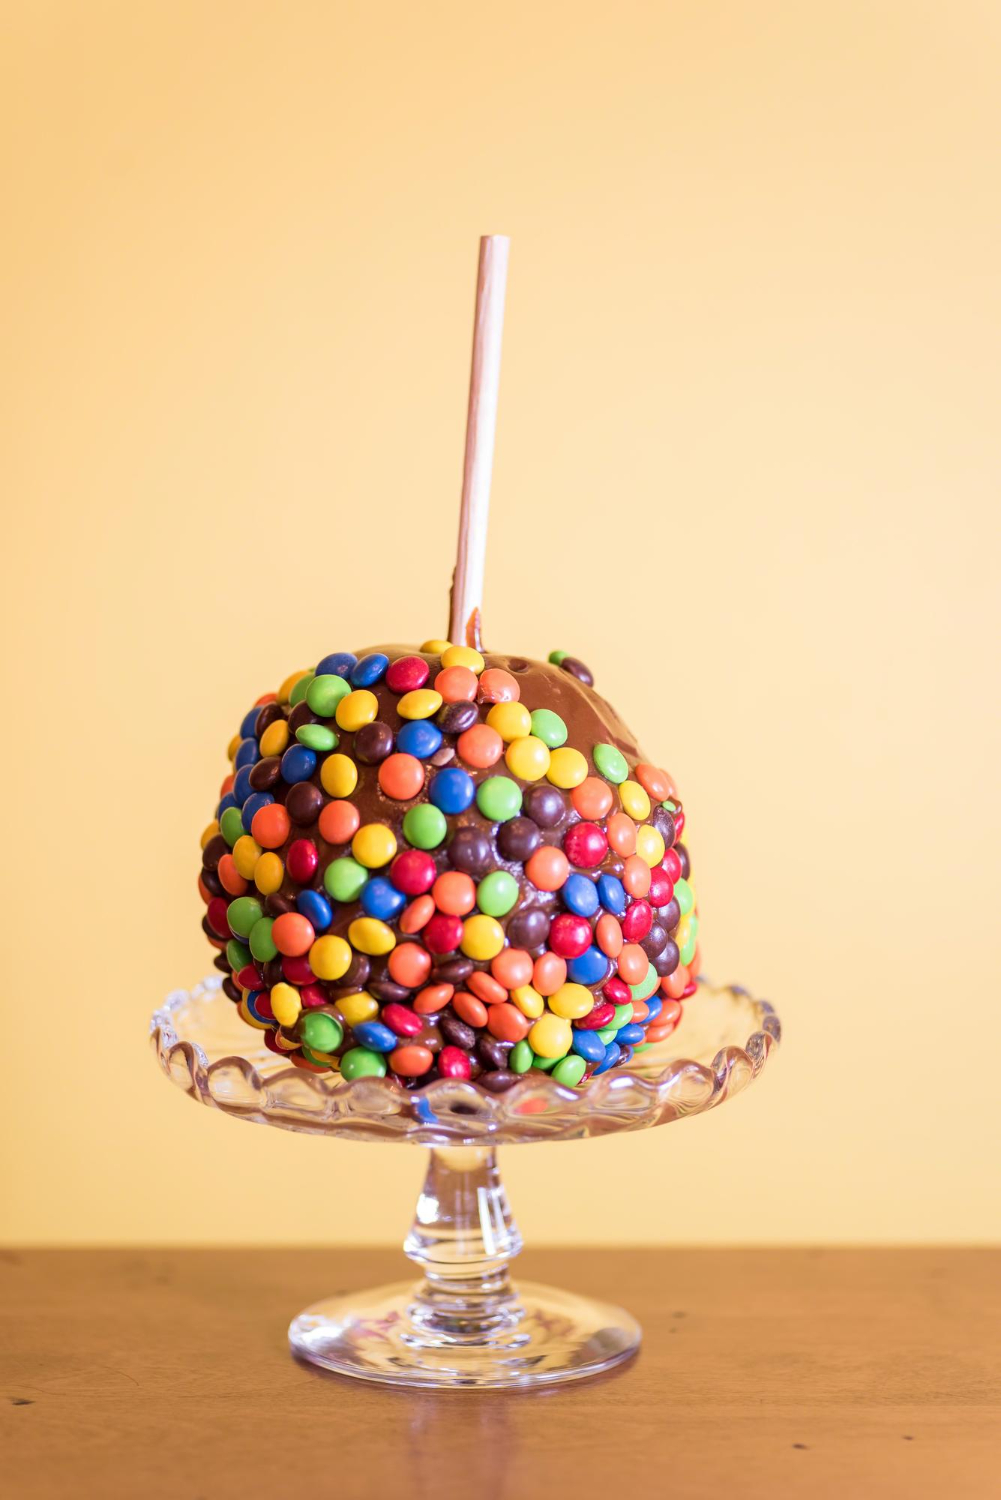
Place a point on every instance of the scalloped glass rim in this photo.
(721, 1044)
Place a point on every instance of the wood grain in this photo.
(808, 1373)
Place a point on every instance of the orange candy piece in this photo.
(695, 967)
(675, 984)
(469, 1009)
(401, 776)
(656, 783)
(339, 822)
(621, 832)
(456, 684)
(512, 968)
(271, 826)
(417, 915)
(498, 686)
(411, 1061)
(434, 997)
(486, 988)
(409, 964)
(229, 876)
(480, 746)
(633, 963)
(609, 935)
(636, 875)
(292, 933)
(593, 798)
(454, 893)
(228, 783)
(549, 973)
(507, 1023)
(548, 868)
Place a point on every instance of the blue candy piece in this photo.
(375, 1036)
(612, 1054)
(241, 785)
(248, 729)
(588, 1044)
(380, 898)
(247, 754)
(298, 764)
(337, 664)
(369, 670)
(612, 894)
(228, 801)
(628, 1036)
(590, 968)
(253, 805)
(316, 909)
(452, 791)
(580, 895)
(419, 737)
(654, 1006)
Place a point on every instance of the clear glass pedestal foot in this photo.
(465, 1324)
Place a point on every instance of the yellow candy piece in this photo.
(285, 1004)
(210, 832)
(684, 930)
(246, 853)
(330, 957)
(512, 721)
(274, 740)
(284, 1044)
(233, 746)
(528, 1001)
(285, 691)
(463, 656)
(436, 648)
(371, 936)
(528, 759)
(482, 937)
(269, 872)
(421, 703)
(550, 1036)
(357, 1008)
(567, 768)
(374, 845)
(571, 1001)
(244, 1012)
(634, 800)
(650, 844)
(338, 775)
(356, 709)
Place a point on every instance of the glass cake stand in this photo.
(464, 1323)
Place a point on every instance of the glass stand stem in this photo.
(464, 1238)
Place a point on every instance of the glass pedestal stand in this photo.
(464, 1323)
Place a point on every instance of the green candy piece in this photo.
(498, 798)
(669, 806)
(570, 1070)
(688, 951)
(424, 826)
(231, 825)
(623, 1016)
(610, 762)
(322, 694)
(607, 1033)
(646, 987)
(557, 656)
(683, 896)
(301, 689)
(321, 1033)
(237, 955)
(497, 893)
(316, 737)
(262, 944)
(241, 915)
(520, 1058)
(544, 1064)
(359, 1062)
(549, 728)
(344, 878)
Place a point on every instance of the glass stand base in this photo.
(539, 1336)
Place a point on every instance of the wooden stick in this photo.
(481, 424)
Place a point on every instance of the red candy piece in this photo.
(672, 864)
(585, 845)
(598, 1017)
(297, 971)
(262, 1006)
(216, 913)
(443, 934)
(401, 1020)
(250, 978)
(301, 861)
(679, 823)
(312, 995)
(412, 872)
(637, 921)
(616, 991)
(661, 887)
(689, 990)
(569, 935)
(452, 1063)
(406, 674)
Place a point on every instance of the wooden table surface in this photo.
(841, 1373)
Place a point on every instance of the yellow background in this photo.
(747, 469)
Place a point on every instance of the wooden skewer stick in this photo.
(481, 424)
